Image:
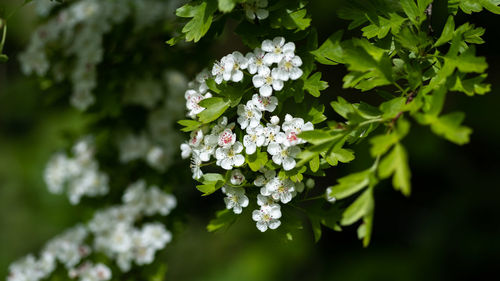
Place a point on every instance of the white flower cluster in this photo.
(114, 234)
(68, 249)
(270, 67)
(78, 29)
(77, 176)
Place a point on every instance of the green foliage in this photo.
(215, 107)
(399, 57)
(211, 183)
(313, 85)
(201, 14)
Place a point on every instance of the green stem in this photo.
(4, 34)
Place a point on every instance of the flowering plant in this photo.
(261, 127)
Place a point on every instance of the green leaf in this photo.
(447, 33)
(449, 127)
(314, 164)
(313, 85)
(396, 162)
(470, 6)
(350, 184)
(361, 207)
(291, 19)
(214, 108)
(370, 66)
(393, 107)
(316, 136)
(410, 8)
(468, 62)
(3, 58)
(330, 52)
(222, 219)
(211, 183)
(470, 86)
(257, 160)
(382, 143)
(340, 155)
(201, 14)
(365, 229)
(381, 27)
(189, 125)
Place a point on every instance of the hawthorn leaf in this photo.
(313, 85)
(361, 207)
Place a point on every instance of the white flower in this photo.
(277, 49)
(237, 177)
(248, 115)
(263, 179)
(288, 68)
(265, 201)
(283, 155)
(273, 134)
(192, 102)
(196, 138)
(155, 235)
(265, 103)
(235, 198)
(275, 120)
(267, 217)
(294, 126)
(266, 81)
(254, 138)
(255, 8)
(229, 157)
(195, 166)
(279, 190)
(157, 158)
(233, 64)
(256, 61)
(219, 72)
(208, 148)
(221, 126)
(185, 150)
(226, 138)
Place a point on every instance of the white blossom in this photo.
(279, 190)
(289, 68)
(226, 138)
(267, 217)
(233, 64)
(208, 147)
(276, 49)
(273, 134)
(256, 61)
(196, 166)
(79, 175)
(235, 198)
(186, 150)
(254, 138)
(248, 115)
(265, 103)
(265, 177)
(283, 155)
(229, 157)
(293, 127)
(237, 177)
(193, 99)
(267, 81)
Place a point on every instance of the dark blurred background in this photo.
(447, 230)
